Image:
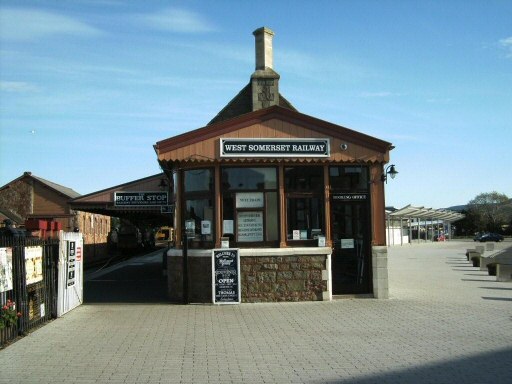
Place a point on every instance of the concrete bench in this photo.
(493, 261)
(500, 256)
(503, 272)
(474, 257)
(480, 249)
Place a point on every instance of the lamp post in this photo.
(391, 171)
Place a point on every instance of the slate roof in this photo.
(242, 104)
(56, 187)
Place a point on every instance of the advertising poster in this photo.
(34, 264)
(5, 269)
(226, 276)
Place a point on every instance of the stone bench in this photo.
(480, 249)
(494, 258)
(504, 272)
(499, 260)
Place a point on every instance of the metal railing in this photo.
(28, 277)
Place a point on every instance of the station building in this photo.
(42, 208)
(302, 198)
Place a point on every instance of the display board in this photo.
(226, 276)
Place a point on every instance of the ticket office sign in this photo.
(226, 276)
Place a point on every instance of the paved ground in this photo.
(446, 322)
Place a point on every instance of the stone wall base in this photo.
(264, 277)
(380, 272)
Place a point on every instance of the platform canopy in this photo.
(410, 212)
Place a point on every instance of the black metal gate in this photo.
(34, 293)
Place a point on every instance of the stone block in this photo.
(284, 275)
(503, 272)
(300, 275)
(480, 249)
(265, 277)
(484, 261)
(296, 285)
(295, 266)
(381, 262)
(381, 293)
(489, 246)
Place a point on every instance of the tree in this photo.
(490, 210)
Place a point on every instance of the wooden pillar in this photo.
(282, 207)
(177, 209)
(327, 195)
(218, 205)
(378, 207)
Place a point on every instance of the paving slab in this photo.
(445, 322)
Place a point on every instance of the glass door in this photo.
(350, 262)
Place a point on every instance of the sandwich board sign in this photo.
(226, 276)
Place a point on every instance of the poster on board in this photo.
(226, 276)
(6, 283)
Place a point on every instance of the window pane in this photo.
(249, 178)
(272, 216)
(197, 180)
(304, 179)
(196, 212)
(352, 178)
(305, 218)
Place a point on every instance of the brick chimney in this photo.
(264, 81)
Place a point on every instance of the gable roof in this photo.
(50, 184)
(107, 193)
(242, 104)
(262, 115)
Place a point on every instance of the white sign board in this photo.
(250, 200)
(250, 226)
(347, 243)
(5, 269)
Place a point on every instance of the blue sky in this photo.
(88, 87)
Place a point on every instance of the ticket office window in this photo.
(305, 205)
(198, 207)
(249, 206)
(349, 179)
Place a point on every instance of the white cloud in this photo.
(18, 87)
(18, 24)
(507, 43)
(177, 20)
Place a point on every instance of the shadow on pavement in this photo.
(491, 367)
(139, 280)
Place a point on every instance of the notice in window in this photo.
(250, 200)
(227, 227)
(347, 243)
(250, 226)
